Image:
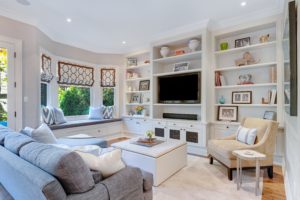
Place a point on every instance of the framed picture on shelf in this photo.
(144, 85)
(228, 113)
(242, 97)
(135, 98)
(131, 62)
(270, 115)
(181, 66)
(242, 42)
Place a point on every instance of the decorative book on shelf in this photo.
(219, 79)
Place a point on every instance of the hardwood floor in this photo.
(274, 188)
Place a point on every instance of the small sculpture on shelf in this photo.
(164, 51)
(194, 44)
(146, 61)
(222, 100)
(179, 52)
(246, 60)
(264, 38)
(245, 79)
(224, 46)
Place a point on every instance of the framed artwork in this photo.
(181, 66)
(242, 97)
(144, 85)
(135, 98)
(228, 113)
(270, 115)
(242, 42)
(131, 62)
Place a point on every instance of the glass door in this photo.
(7, 86)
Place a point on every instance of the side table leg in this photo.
(238, 173)
(241, 172)
(257, 177)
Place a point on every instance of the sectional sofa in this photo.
(31, 170)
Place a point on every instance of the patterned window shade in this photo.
(72, 74)
(108, 77)
(46, 74)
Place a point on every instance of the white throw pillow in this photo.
(44, 134)
(246, 135)
(59, 116)
(95, 113)
(108, 164)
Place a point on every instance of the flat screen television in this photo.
(181, 89)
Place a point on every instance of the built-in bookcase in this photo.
(165, 67)
(135, 95)
(265, 71)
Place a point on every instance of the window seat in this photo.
(85, 122)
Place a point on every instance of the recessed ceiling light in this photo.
(124, 42)
(24, 2)
(244, 3)
(69, 20)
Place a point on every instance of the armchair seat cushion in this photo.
(225, 147)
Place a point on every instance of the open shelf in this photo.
(138, 66)
(137, 104)
(254, 46)
(137, 116)
(259, 65)
(248, 105)
(180, 58)
(170, 104)
(138, 79)
(132, 92)
(179, 72)
(246, 86)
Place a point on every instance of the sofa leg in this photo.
(229, 171)
(211, 160)
(270, 172)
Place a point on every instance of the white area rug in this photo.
(200, 180)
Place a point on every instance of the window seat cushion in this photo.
(86, 122)
(82, 142)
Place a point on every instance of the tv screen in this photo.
(179, 88)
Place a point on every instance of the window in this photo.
(74, 100)
(3, 86)
(44, 92)
(108, 96)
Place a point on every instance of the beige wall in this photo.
(33, 39)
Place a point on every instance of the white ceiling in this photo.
(102, 25)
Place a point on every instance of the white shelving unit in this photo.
(267, 57)
(142, 72)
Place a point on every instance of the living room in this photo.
(134, 100)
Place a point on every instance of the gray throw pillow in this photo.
(48, 115)
(44, 134)
(59, 116)
(108, 112)
(95, 113)
(65, 165)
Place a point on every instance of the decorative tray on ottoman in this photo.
(147, 142)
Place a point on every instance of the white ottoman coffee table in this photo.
(162, 160)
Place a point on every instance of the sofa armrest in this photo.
(147, 181)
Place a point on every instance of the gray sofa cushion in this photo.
(98, 193)
(3, 132)
(15, 141)
(147, 180)
(127, 184)
(66, 166)
(4, 195)
(97, 176)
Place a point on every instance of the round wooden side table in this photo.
(248, 155)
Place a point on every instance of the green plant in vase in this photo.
(139, 110)
(150, 135)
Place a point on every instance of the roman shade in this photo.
(46, 74)
(74, 74)
(108, 77)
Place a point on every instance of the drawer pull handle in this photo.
(174, 124)
(191, 126)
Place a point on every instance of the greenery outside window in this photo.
(74, 100)
(108, 96)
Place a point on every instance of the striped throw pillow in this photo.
(246, 135)
(48, 115)
(108, 112)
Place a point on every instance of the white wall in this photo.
(33, 39)
(292, 151)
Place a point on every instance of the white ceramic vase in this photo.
(194, 44)
(164, 51)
